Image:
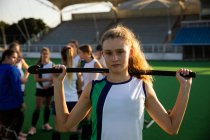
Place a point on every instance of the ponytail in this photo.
(67, 59)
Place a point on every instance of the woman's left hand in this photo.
(183, 80)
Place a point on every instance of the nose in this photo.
(115, 57)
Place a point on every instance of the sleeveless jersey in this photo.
(117, 109)
(19, 66)
(40, 85)
(87, 77)
(70, 87)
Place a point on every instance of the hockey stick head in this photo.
(36, 69)
(33, 69)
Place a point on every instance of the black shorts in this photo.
(12, 119)
(70, 106)
(45, 92)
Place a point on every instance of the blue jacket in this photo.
(11, 96)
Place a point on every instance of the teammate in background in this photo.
(11, 96)
(23, 68)
(85, 53)
(44, 92)
(21, 64)
(74, 44)
(99, 55)
(117, 102)
(68, 58)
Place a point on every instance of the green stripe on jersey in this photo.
(97, 89)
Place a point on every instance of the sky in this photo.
(11, 11)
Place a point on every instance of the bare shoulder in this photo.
(24, 64)
(97, 64)
(149, 90)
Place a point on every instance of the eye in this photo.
(108, 53)
(119, 52)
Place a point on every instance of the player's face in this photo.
(81, 54)
(116, 54)
(45, 55)
(12, 59)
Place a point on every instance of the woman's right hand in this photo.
(59, 76)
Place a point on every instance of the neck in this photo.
(45, 61)
(88, 59)
(117, 78)
(3, 62)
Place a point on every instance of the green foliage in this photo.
(18, 31)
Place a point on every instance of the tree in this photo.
(23, 30)
(3, 40)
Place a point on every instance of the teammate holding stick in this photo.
(118, 101)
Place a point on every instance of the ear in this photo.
(131, 52)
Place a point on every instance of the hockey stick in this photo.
(35, 69)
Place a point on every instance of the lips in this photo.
(115, 65)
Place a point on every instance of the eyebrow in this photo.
(114, 49)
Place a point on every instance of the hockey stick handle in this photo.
(35, 69)
(162, 73)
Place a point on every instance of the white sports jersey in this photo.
(117, 110)
(40, 85)
(19, 66)
(70, 89)
(87, 77)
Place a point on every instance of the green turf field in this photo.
(196, 121)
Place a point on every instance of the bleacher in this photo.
(85, 31)
(150, 30)
(193, 35)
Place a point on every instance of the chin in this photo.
(116, 69)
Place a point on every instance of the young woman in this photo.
(118, 101)
(69, 59)
(99, 55)
(11, 97)
(44, 92)
(21, 64)
(85, 53)
(23, 68)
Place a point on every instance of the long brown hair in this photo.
(7, 53)
(67, 59)
(137, 61)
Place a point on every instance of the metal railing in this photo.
(162, 48)
(147, 48)
(151, 48)
(196, 23)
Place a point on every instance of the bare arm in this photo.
(26, 73)
(170, 122)
(25, 67)
(79, 82)
(97, 64)
(65, 120)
